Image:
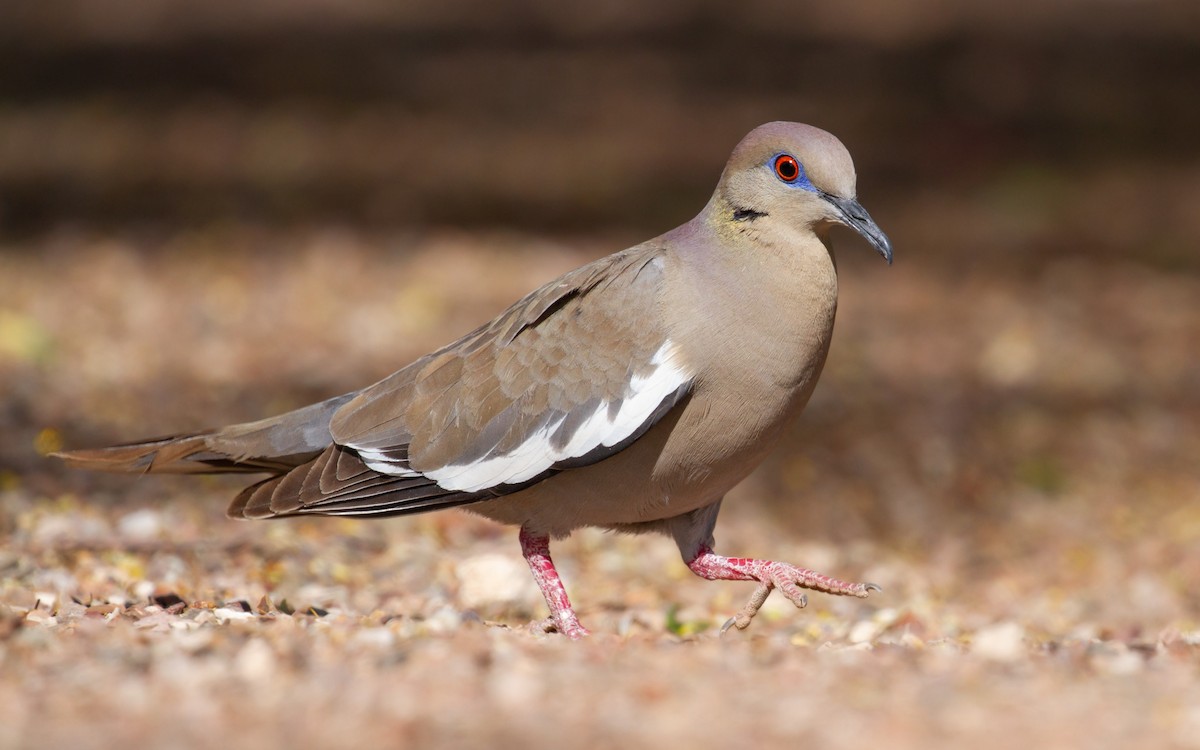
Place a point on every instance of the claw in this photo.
(790, 579)
(742, 619)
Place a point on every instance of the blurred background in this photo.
(210, 212)
(1065, 128)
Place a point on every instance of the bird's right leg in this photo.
(536, 548)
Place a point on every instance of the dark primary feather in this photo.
(315, 489)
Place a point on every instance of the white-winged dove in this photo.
(630, 394)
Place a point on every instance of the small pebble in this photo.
(1003, 641)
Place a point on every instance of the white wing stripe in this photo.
(537, 454)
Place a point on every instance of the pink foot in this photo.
(536, 549)
(787, 578)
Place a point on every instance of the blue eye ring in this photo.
(790, 171)
(787, 168)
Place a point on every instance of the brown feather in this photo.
(254, 502)
(167, 455)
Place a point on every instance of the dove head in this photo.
(788, 176)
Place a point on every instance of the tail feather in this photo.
(275, 445)
(178, 454)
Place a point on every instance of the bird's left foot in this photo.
(790, 579)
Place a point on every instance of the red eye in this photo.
(787, 167)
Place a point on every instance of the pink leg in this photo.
(769, 574)
(536, 549)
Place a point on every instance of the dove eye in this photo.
(787, 168)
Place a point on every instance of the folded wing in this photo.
(568, 376)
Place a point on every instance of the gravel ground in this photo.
(1013, 456)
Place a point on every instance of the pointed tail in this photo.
(275, 445)
(177, 454)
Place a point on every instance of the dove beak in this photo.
(853, 215)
